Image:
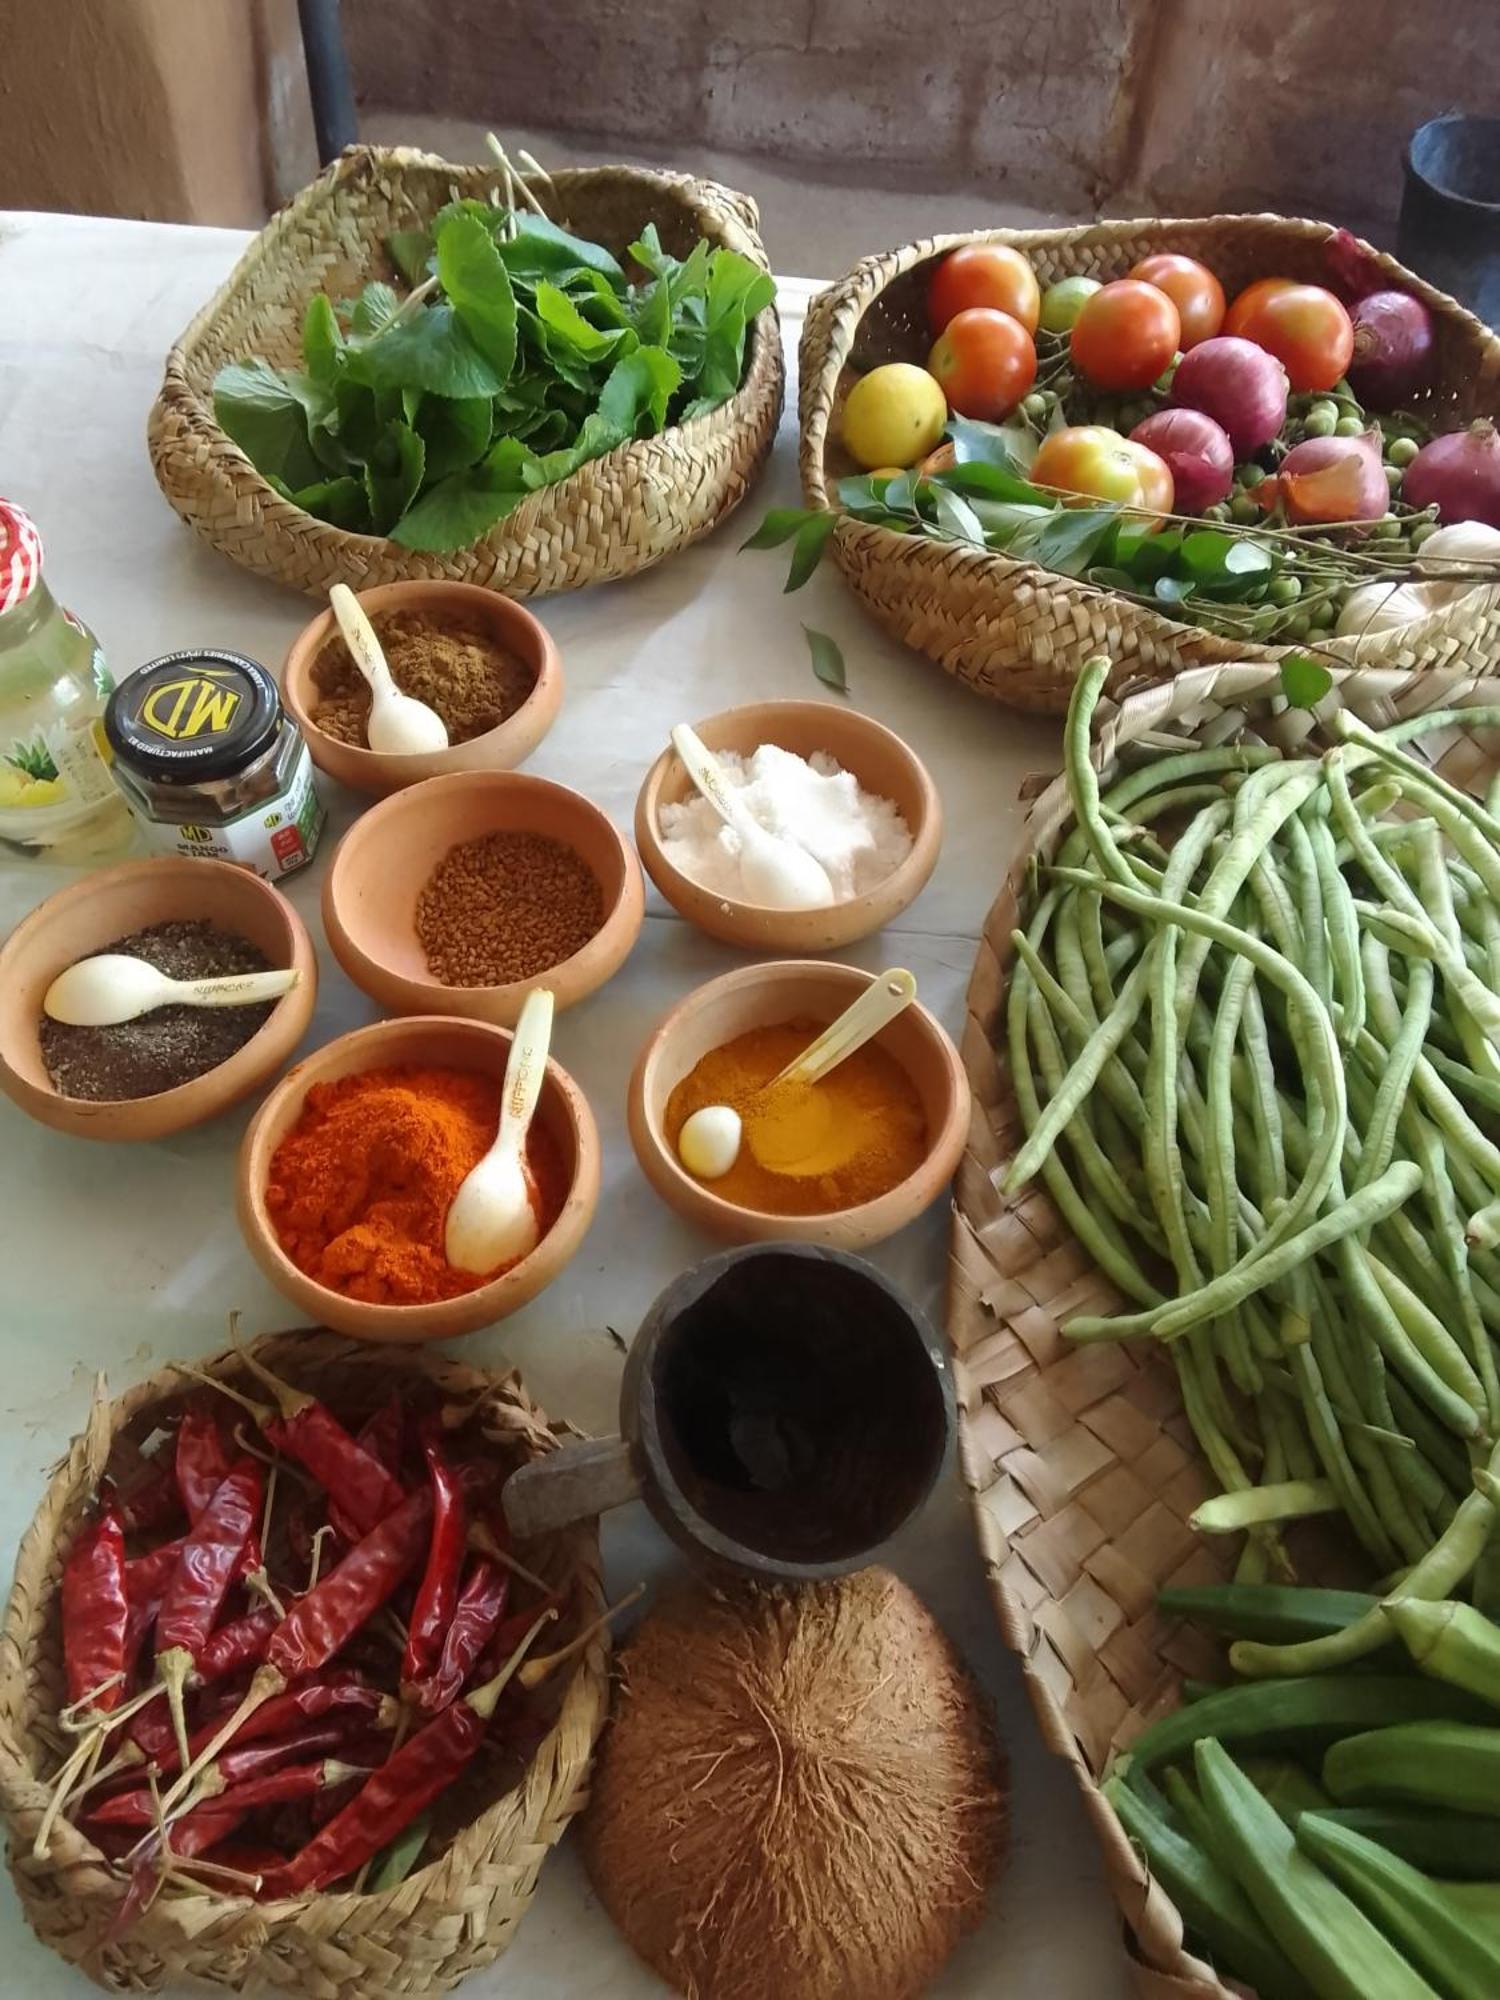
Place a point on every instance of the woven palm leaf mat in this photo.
(1017, 633)
(422, 1937)
(1079, 1461)
(615, 515)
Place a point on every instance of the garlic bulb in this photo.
(1385, 607)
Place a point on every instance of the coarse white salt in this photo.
(858, 836)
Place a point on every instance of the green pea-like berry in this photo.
(1401, 451)
(1321, 420)
(1349, 427)
(1243, 509)
(1284, 589)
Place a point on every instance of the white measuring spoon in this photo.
(777, 872)
(398, 724)
(491, 1220)
(101, 992)
(876, 1007)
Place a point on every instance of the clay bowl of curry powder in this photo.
(348, 1167)
(890, 1128)
(484, 662)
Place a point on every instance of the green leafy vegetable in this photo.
(520, 354)
(827, 660)
(1303, 681)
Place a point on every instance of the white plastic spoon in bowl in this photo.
(777, 872)
(101, 992)
(491, 1220)
(712, 1135)
(398, 724)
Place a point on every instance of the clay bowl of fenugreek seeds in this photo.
(461, 894)
(482, 661)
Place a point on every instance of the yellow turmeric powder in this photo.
(806, 1149)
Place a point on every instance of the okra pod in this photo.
(1416, 1914)
(1327, 1937)
(1439, 1843)
(1453, 1642)
(1451, 1764)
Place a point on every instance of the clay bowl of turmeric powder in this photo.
(348, 1169)
(484, 662)
(873, 1144)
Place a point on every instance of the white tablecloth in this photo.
(120, 1257)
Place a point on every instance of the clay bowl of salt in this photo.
(810, 993)
(524, 683)
(684, 854)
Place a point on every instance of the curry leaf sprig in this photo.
(520, 353)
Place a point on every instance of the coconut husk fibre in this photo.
(800, 1796)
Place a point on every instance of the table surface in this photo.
(119, 1258)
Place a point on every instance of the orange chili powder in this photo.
(359, 1189)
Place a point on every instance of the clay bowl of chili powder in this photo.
(348, 1167)
(95, 914)
(458, 895)
(907, 1108)
(484, 662)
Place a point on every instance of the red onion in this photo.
(1459, 474)
(1236, 383)
(1393, 349)
(1198, 454)
(1353, 268)
(1335, 479)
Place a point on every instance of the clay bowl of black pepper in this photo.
(459, 895)
(177, 1066)
(484, 662)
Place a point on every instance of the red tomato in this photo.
(984, 362)
(1192, 288)
(1158, 488)
(1307, 330)
(1096, 463)
(1249, 302)
(984, 274)
(1125, 335)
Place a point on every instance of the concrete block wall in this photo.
(1072, 105)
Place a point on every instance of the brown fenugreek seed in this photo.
(505, 907)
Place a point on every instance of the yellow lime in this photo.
(894, 415)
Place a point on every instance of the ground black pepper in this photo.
(158, 1051)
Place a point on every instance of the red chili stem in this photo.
(96, 1615)
(345, 1600)
(437, 1593)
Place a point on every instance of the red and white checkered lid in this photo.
(20, 555)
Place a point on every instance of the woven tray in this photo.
(1079, 1460)
(423, 1936)
(1017, 633)
(617, 514)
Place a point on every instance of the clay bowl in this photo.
(497, 750)
(879, 760)
(757, 996)
(382, 864)
(93, 912)
(439, 1042)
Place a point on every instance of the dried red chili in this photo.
(150, 1503)
(476, 1618)
(201, 1463)
(196, 1590)
(354, 1479)
(241, 1644)
(392, 1797)
(152, 1729)
(96, 1614)
(437, 1593)
(323, 1621)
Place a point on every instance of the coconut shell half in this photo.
(800, 1795)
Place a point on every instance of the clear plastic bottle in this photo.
(57, 799)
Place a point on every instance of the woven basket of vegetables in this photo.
(514, 406)
(357, 1817)
(960, 562)
(1224, 1260)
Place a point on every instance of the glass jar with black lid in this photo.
(211, 764)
